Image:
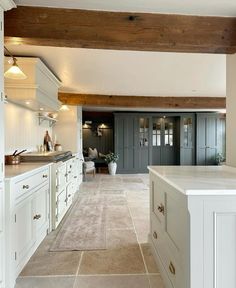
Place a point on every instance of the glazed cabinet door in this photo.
(187, 140)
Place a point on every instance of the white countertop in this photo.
(199, 180)
(12, 171)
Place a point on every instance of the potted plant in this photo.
(111, 160)
(219, 158)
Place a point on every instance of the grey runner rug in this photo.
(84, 227)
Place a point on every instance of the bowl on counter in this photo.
(12, 160)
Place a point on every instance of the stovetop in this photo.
(46, 156)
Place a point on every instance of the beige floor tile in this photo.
(149, 259)
(118, 217)
(156, 281)
(142, 229)
(121, 239)
(45, 282)
(132, 180)
(126, 281)
(52, 263)
(139, 212)
(112, 261)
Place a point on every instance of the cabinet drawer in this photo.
(31, 182)
(61, 176)
(69, 194)
(61, 203)
(171, 265)
(158, 201)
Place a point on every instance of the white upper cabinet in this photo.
(7, 4)
(38, 90)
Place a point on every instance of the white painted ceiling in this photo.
(194, 7)
(132, 72)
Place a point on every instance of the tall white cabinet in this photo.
(1, 160)
(4, 5)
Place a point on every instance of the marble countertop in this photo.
(12, 171)
(199, 180)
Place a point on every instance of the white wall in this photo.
(22, 130)
(68, 129)
(231, 111)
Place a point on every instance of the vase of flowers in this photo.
(111, 160)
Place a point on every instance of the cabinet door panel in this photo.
(23, 230)
(40, 211)
(61, 177)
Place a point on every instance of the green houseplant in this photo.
(111, 160)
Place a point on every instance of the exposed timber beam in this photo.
(143, 101)
(120, 30)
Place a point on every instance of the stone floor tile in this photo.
(52, 263)
(121, 281)
(112, 261)
(132, 180)
(149, 259)
(121, 239)
(142, 229)
(118, 217)
(156, 281)
(45, 282)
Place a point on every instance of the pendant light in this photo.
(14, 72)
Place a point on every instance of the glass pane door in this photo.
(143, 132)
(187, 131)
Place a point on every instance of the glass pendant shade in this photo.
(14, 72)
(64, 108)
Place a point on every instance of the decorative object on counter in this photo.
(13, 159)
(57, 147)
(111, 159)
(219, 158)
(47, 142)
(14, 72)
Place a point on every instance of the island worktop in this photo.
(193, 225)
(199, 180)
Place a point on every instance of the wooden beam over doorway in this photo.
(43, 26)
(94, 100)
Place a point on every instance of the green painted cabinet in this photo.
(210, 138)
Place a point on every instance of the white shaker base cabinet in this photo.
(27, 214)
(193, 225)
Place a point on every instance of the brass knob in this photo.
(155, 235)
(69, 195)
(66, 174)
(172, 268)
(25, 186)
(161, 209)
(37, 217)
(45, 176)
(75, 177)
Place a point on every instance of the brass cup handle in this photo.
(172, 268)
(161, 209)
(75, 177)
(25, 186)
(37, 217)
(154, 235)
(45, 176)
(69, 195)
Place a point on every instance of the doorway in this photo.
(165, 140)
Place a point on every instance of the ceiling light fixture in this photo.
(14, 72)
(64, 108)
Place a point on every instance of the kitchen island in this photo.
(193, 225)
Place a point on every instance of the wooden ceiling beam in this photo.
(120, 30)
(88, 100)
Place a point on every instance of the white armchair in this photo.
(88, 167)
